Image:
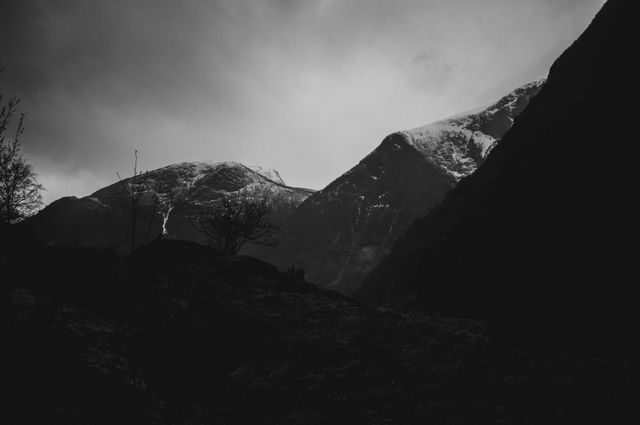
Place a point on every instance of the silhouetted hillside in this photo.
(541, 236)
(177, 336)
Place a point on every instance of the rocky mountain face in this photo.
(169, 198)
(538, 236)
(341, 232)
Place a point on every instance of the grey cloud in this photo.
(304, 86)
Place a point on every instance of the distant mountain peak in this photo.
(171, 197)
(196, 168)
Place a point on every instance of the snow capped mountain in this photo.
(341, 232)
(202, 182)
(458, 145)
(170, 197)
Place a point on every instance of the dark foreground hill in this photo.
(176, 336)
(541, 236)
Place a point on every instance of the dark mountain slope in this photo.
(341, 232)
(540, 235)
(177, 336)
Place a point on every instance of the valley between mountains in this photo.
(337, 234)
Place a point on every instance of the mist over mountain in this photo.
(538, 236)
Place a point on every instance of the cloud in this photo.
(308, 87)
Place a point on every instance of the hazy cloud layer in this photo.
(306, 87)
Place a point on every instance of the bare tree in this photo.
(19, 189)
(235, 222)
(137, 188)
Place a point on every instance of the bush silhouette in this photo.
(235, 222)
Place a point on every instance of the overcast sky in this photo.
(307, 87)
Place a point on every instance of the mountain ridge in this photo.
(339, 233)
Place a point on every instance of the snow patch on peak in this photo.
(269, 173)
(447, 145)
(198, 180)
(460, 143)
(196, 166)
(197, 169)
